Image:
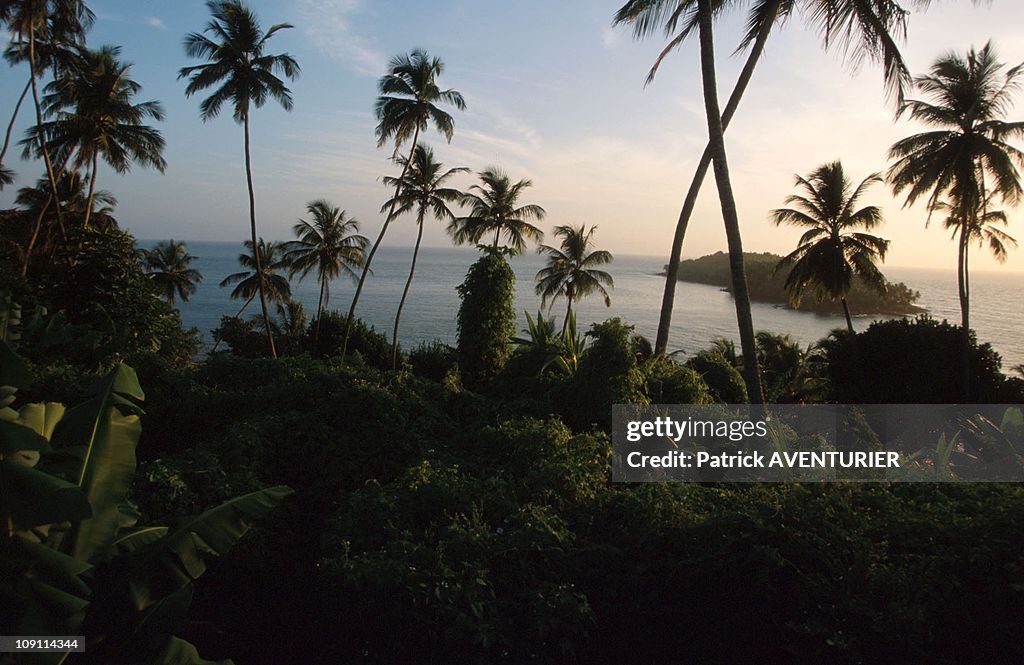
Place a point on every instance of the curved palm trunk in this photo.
(401, 303)
(92, 190)
(37, 225)
(376, 244)
(255, 243)
(672, 271)
(14, 118)
(963, 289)
(846, 313)
(319, 315)
(42, 139)
(568, 309)
(716, 139)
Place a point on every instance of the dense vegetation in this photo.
(768, 285)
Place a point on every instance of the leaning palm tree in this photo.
(28, 20)
(245, 76)
(571, 270)
(95, 117)
(407, 105)
(831, 253)
(422, 189)
(167, 264)
(269, 262)
(860, 30)
(331, 245)
(494, 208)
(967, 157)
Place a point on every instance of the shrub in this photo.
(668, 382)
(725, 383)
(487, 318)
(364, 342)
(909, 362)
(434, 360)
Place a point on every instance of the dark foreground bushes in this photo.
(431, 525)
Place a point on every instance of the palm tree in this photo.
(95, 117)
(495, 208)
(407, 105)
(245, 76)
(29, 20)
(272, 264)
(967, 157)
(6, 176)
(423, 190)
(167, 264)
(329, 244)
(571, 270)
(829, 253)
(860, 29)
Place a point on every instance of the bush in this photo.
(434, 360)
(724, 381)
(487, 318)
(910, 362)
(365, 344)
(668, 382)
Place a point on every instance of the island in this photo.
(766, 285)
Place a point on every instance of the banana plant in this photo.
(72, 559)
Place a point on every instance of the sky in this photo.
(554, 94)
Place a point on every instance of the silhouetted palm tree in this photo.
(95, 117)
(967, 157)
(571, 270)
(407, 105)
(495, 209)
(6, 176)
(830, 253)
(167, 264)
(247, 283)
(244, 76)
(329, 244)
(29, 19)
(860, 29)
(422, 189)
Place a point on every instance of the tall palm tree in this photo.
(830, 253)
(423, 190)
(571, 270)
(167, 264)
(494, 208)
(95, 117)
(967, 157)
(329, 244)
(406, 107)
(28, 20)
(861, 29)
(245, 76)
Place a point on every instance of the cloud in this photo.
(330, 30)
(611, 38)
(155, 22)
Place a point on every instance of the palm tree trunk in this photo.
(716, 139)
(405, 292)
(846, 312)
(319, 315)
(39, 222)
(672, 270)
(92, 189)
(14, 118)
(497, 237)
(255, 242)
(39, 124)
(965, 316)
(376, 244)
(568, 311)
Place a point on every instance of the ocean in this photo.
(702, 313)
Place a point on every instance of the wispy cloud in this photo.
(330, 29)
(155, 22)
(611, 38)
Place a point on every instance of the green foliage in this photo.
(74, 561)
(767, 285)
(434, 360)
(487, 318)
(98, 282)
(365, 344)
(668, 382)
(725, 383)
(911, 362)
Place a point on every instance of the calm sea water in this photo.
(702, 313)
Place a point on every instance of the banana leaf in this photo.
(180, 557)
(180, 652)
(107, 428)
(33, 498)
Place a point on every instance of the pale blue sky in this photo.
(553, 94)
